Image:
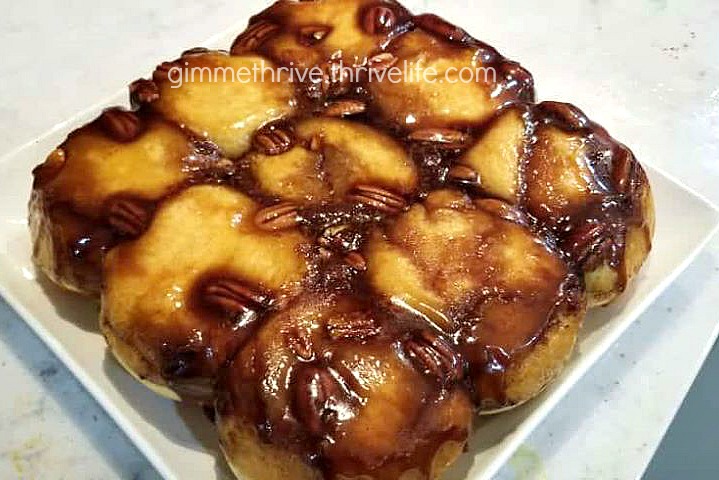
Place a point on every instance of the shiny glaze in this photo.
(292, 357)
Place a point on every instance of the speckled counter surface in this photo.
(647, 70)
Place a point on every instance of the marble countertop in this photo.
(60, 57)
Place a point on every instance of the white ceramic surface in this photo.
(664, 107)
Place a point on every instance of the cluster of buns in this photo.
(346, 269)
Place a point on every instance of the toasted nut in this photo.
(129, 217)
(317, 396)
(121, 125)
(378, 19)
(255, 35)
(278, 217)
(378, 198)
(444, 136)
(232, 296)
(357, 326)
(143, 91)
(463, 175)
(342, 108)
(313, 34)
(299, 340)
(162, 71)
(273, 139)
(434, 356)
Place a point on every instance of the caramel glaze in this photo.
(348, 386)
(80, 205)
(296, 377)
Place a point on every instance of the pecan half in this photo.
(343, 108)
(313, 34)
(300, 342)
(278, 217)
(273, 139)
(434, 356)
(255, 35)
(378, 19)
(440, 136)
(143, 91)
(437, 25)
(121, 125)
(129, 217)
(378, 198)
(356, 326)
(162, 71)
(463, 175)
(318, 397)
(232, 296)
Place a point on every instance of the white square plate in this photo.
(180, 441)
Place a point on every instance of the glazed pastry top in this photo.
(358, 254)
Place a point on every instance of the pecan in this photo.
(378, 198)
(437, 25)
(441, 136)
(232, 296)
(300, 342)
(255, 35)
(378, 19)
(434, 356)
(129, 217)
(463, 175)
(273, 139)
(382, 61)
(121, 125)
(342, 108)
(278, 217)
(162, 71)
(357, 326)
(143, 91)
(313, 34)
(585, 241)
(356, 261)
(318, 397)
